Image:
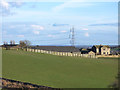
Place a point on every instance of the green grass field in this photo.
(57, 71)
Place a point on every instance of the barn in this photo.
(61, 51)
(57, 50)
(70, 49)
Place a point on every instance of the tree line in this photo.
(22, 44)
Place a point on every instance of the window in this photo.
(107, 52)
(103, 52)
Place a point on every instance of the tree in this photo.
(12, 42)
(7, 47)
(27, 43)
(24, 43)
(5, 43)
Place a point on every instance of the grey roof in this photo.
(57, 48)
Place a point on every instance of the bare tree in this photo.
(6, 45)
(24, 43)
(12, 42)
(5, 42)
(27, 42)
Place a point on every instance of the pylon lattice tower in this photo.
(72, 36)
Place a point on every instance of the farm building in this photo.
(61, 51)
(84, 51)
(56, 50)
(101, 49)
(71, 49)
(87, 51)
(97, 49)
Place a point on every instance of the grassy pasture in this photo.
(57, 71)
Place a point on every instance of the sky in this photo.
(49, 23)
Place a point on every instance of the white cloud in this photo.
(19, 3)
(4, 4)
(19, 25)
(37, 27)
(87, 34)
(51, 35)
(36, 32)
(16, 4)
(72, 4)
(85, 29)
(5, 9)
(20, 36)
(64, 31)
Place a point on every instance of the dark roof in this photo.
(57, 48)
(85, 51)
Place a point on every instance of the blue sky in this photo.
(49, 23)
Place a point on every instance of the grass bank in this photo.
(58, 71)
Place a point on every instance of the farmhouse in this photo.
(96, 49)
(101, 49)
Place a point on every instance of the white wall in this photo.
(75, 54)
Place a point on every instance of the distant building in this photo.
(84, 51)
(101, 49)
(87, 51)
(91, 53)
(10, 46)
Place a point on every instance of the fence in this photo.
(75, 54)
